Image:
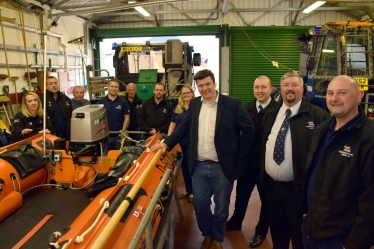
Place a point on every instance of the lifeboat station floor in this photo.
(188, 235)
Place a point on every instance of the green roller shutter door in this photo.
(155, 31)
(247, 63)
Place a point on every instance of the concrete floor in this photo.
(188, 236)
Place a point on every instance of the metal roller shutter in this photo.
(247, 63)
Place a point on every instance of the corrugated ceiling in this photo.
(105, 11)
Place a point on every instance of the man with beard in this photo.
(155, 113)
(118, 113)
(288, 131)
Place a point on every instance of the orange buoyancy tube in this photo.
(11, 184)
(92, 222)
(364, 24)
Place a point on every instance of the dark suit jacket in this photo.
(254, 156)
(231, 147)
(302, 127)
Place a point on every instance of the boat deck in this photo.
(63, 205)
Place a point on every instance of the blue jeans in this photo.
(331, 243)
(111, 144)
(185, 168)
(207, 180)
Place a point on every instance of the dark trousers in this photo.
(244, 187)
(185, 169)
(284, 214)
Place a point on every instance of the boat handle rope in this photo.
(56, 245)
(136, 167)
(56, 236)
(132, 172)
(80, 238)
(14, 177)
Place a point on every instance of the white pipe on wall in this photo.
(46, 33)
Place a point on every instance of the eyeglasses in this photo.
(186, 93)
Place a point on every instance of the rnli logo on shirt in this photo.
(67, 103)
(346, 152)
(164, 111)
(16, 121)
(137, 106)
(30, 123)
(40, 121)
(310, 125)
(118, 107)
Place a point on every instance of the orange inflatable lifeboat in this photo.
(80, 199)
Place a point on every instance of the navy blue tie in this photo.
(260, 108)
(278, 155)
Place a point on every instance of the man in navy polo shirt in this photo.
(338, 203)
(118, 113)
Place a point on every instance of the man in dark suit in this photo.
(251, 176)
(221, 133)
(288, 131)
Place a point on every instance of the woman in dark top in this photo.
(179, 114)
(29, 121)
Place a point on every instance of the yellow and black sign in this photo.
(363, 83)
(132, 49)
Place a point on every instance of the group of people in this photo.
(29, 121)
(314, 170)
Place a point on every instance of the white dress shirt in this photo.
(284, 171)
(206, 150)
(264, 105)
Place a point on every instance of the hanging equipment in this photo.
(22, 23)
(3, 77)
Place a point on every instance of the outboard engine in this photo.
(89, 124)
(89, 127)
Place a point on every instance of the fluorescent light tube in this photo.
(142, 11)
(313, 6)
(328, 51)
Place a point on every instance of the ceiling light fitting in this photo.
(313, 6)
(142, 11)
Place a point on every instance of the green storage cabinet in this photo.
(144, 91)
(147, 76)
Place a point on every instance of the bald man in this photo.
(339, 188)
(134, 103)
(251, 175)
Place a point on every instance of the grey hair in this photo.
(292, 73)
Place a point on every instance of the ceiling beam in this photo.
(183, 14)
(349, 14)
(55, 6)
(117, 3)
(217, 10)
(238, 13)
(267, 12)
(370, 14)
(297, 14)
